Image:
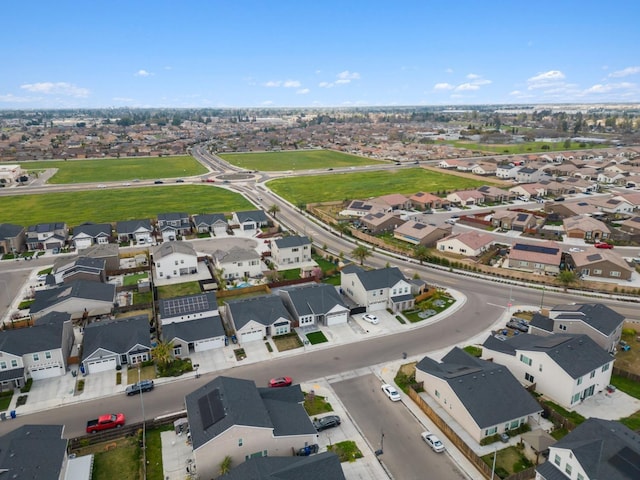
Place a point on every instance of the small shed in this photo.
(536, 445)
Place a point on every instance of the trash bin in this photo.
(13, 414)
(3, 416)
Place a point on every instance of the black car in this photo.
(329, 421)
(139, 387)
(158, 182)
(516, 325)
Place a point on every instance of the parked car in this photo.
(433, 441)
(139, 387)
(372, 319)
(308, 450)
(516, 325)
(624, 346)
(105, 422)
(575, 249)
(603, 245)
(329, 421)
(391, 392)
(559, 199)
(280, 382)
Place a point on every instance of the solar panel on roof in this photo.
(521, 217)
(211, 408)
(183, 305)
(593, 257)
(627, 461)
(583, 204)
(419, 226)
(636, 219)
(535, 249)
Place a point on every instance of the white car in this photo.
(372, 319)
(576, 249)
(433, 441)
(391, 392)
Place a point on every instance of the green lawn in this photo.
(133, 279)
(179, 290)
(316, 337)
(316, 404)
(627, 386)
(522, 148)
(324, 188)
(296, 160)
(118, 169)
(112, 205)
(122, 462)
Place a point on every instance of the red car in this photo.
(280, 382)
(604, 245)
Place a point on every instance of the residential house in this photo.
(572, 209)
(110, 344)
(484, 168)
(575, 185)
(47, 236)
(174, 259)
(540, 258)
(292, 252)
(555, 188)
(12, 238)
(586, 227)
(529, 190)
(238, 263)
(530, 175)
(89, 234)
(232, 417)
(250, 220)
(631, 226)
(483, 397)
(41, 351)
(469, 244)
(600, 264)
(506, 171)
(612, 178)
(325, 465)
(419, 233)
(427, 201)
(596, 320)
(594, 450)
(394, 201)
(632, 198)
(360, 208)
(381, 222)
(140, 231)
(80, 299)
(70, 269)
(173, 226)
(564, 368)
(384, 288)
(259, 317)
(314, 304)
(613, 206)
(495, 194)
(109, 252)
(466, 198)
(215, 223)
(454, 164)
(35, 451)
(187, 307)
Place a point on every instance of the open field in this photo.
(296, 160)
(341, 186)
(118, 169)
(112, 205)
(523, 148)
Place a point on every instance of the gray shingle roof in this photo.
(209, 219)
(17, 458)
(313, 298)
(264, 309)
(377, 279)
(292, 241)
(193, 330)
(323, 466)
(130, 226)
(82, 289)
(167, 248)
(236, 254)
(187, 305)
(118, 336)
(257, 216)
(92, 229)
(46, 334)
(598, 315)
(488, 391)
(575, 354)
(542, 322)
(225, 402)
(8, 230)
(603, 448)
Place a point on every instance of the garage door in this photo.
(102, 365)
(337, 319)
(251, 336)
(220, 231)
(208, 344)
(38, 373)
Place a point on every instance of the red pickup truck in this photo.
(105, 422)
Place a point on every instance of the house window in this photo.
(177, 351)
(575, 398)
(514, 424)
(524, 264)
(580, 477)
(176, 262)
(537, 265)
(614, 274)
(557, 460)
(528, 377)
(567, 469)
(3, 365)
(294, 249)
(437, 394)
(381, 292)
(579, 382)
(182, 261)
(36, 357)
(239, 442)
(525, 359)
(597, 271)
(593, 374)
(14, 363)
(490, 431)
(605, 367)
(47, 355)
(562, 327)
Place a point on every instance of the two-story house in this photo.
(47, 236)
(238, 262)
(12, 238)
(174, 259)
(291, 252)
(377, 289)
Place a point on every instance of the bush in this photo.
(175, 368)
(269, 347)
(119, 378)
(22, 399)
(27, 386)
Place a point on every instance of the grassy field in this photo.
(324, 188)
(112, 205)
(118, 169)
(523, 148)
(296, 160)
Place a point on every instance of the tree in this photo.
(421, 253)
(273, 210)
(225, 465)
(222, 283)
(163, 353)
(343, 227)
(361, 253)
(566, 278)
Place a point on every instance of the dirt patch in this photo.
(409, 369)
(630, 360)
(287, 342)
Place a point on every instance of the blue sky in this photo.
(302, 53)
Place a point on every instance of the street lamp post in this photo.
(144, 433)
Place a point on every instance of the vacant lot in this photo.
(119, 169)
(529, 147)
(112, 205)
(324, 188)
(296, 160)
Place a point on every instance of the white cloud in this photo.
(515, 92)
(142, 73)
(443, 86)
(347, 76)
(267, 103)
(449, 70)
(467, 86)
(59, 88)
(291, 84)
(547, 76)
(472, 76)
(608, 87)
(273, 83)
(303, 91)
(625, 72)
(283, 83)
(325, 84)
(123, 100)
(10, 98)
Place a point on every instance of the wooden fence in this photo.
(626, 374)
